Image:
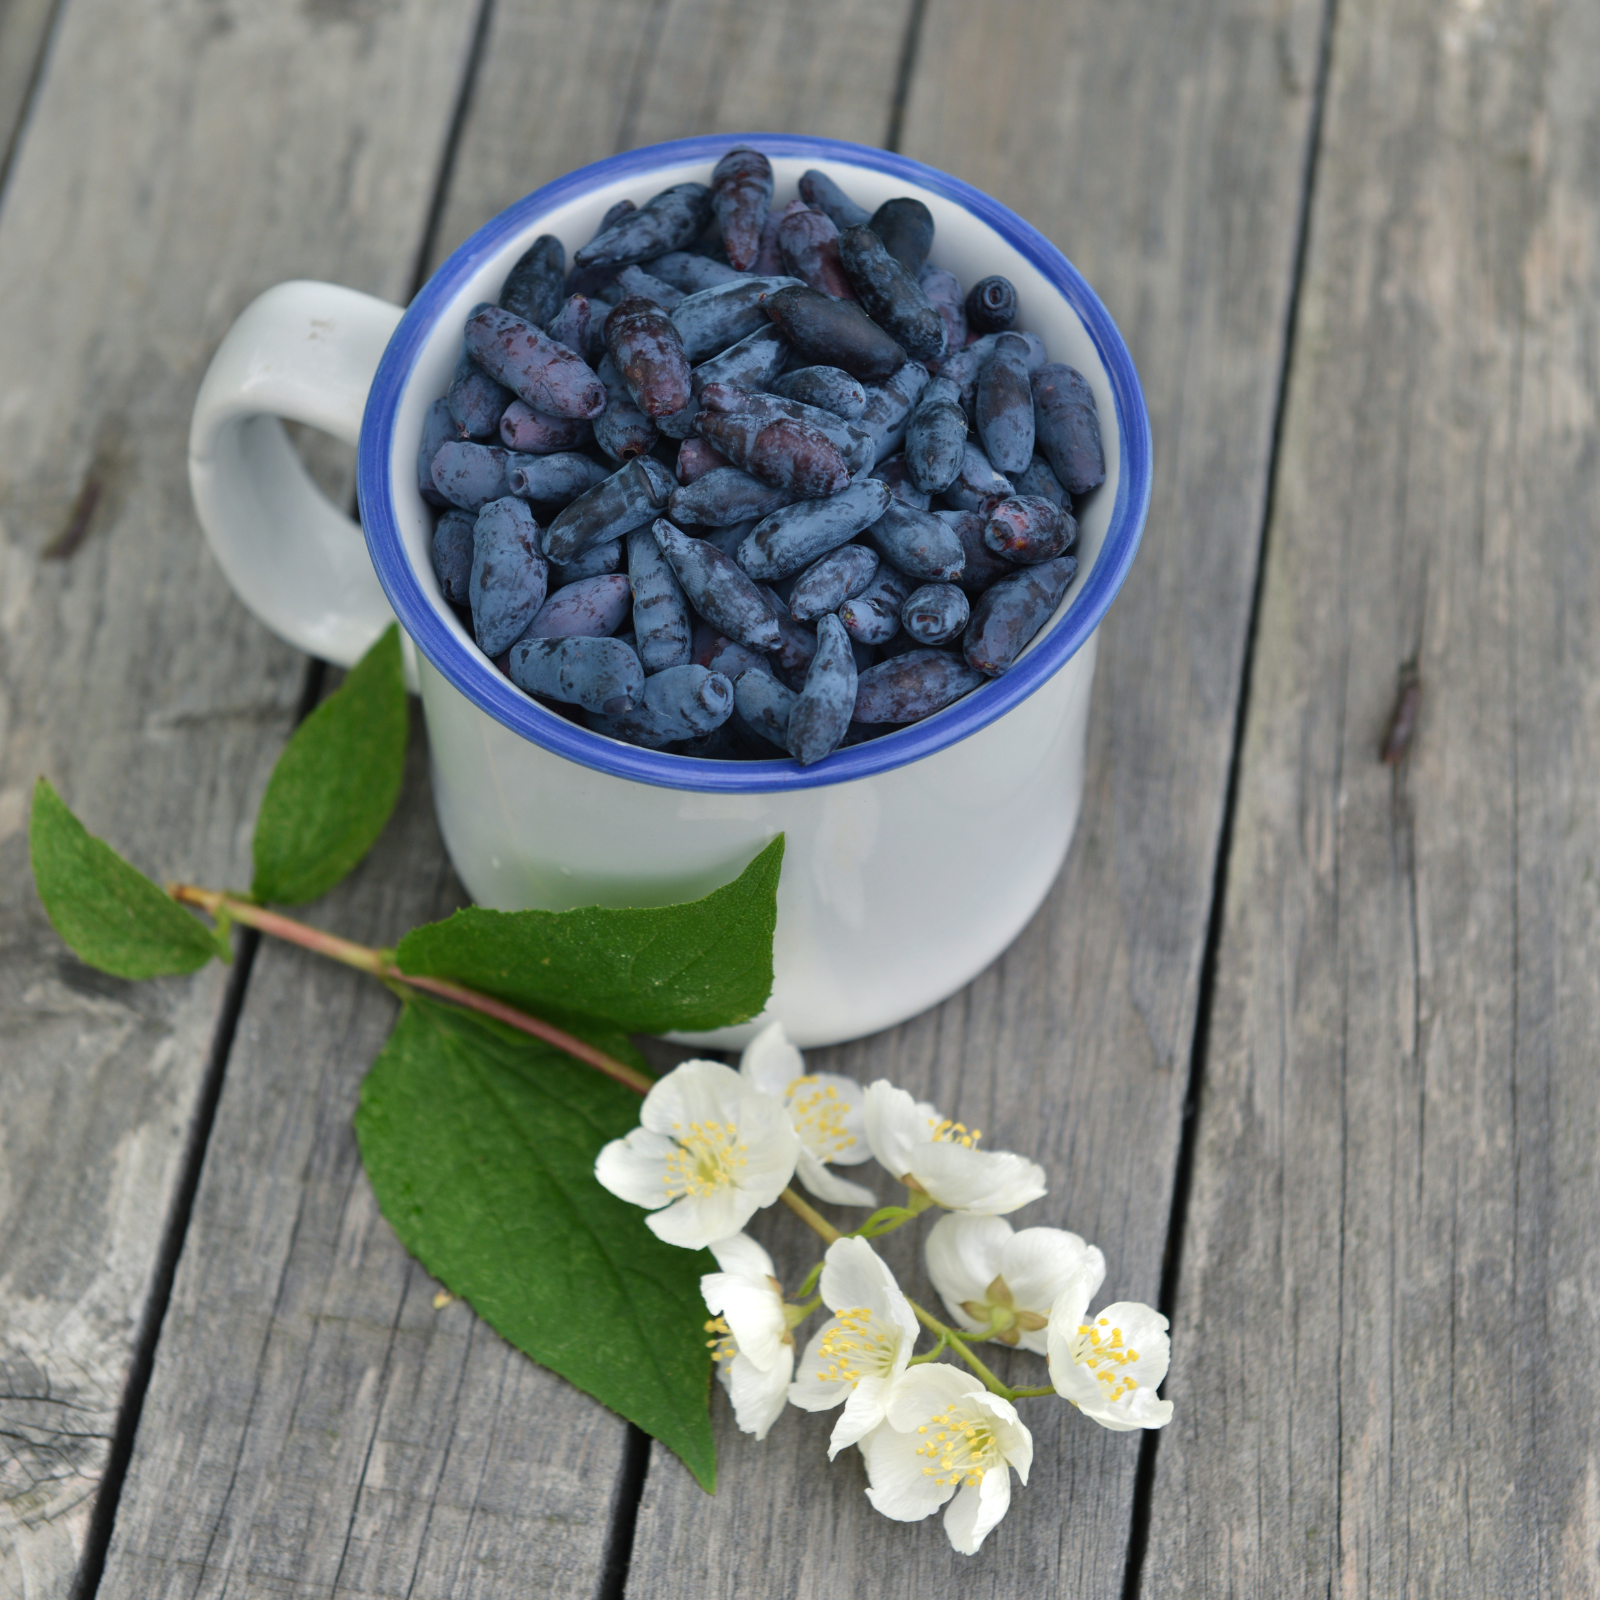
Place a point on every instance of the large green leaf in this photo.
(706, 964)
(480, 1144)
(335, 783)
(113, 916)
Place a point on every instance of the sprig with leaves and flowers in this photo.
(504, 1138)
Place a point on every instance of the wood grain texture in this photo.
(314, 1424)
(24, 30)
(567, 82)
(1163, 147)
(178, 159)
(1385, 1356)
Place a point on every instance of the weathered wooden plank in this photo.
(24, 28)
(315, 1425)
(1163, 147)
(178, 159)
(1385, 1370)
(562, 86)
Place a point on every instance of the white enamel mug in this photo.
(912, 860)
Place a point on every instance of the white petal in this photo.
(1037, 1264)
(770, 1063)
(1142, 1409)
(963, 1254)
(635, 1169)
(754, 1314)
(899, 1488)
(758, 1396)
(896, 1125)
(1143, 1329)
(853, 1275)
(986, 1182)
(976, 1509)
(696, 1221)
(1067, 1315)
(826, 1186)
(921, 1391)
(694, 1091)
(741, 1254)
(863, 1411)
(850, 1103)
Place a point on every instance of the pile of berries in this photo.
(747, 482)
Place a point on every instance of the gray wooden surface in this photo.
(1385, 1302)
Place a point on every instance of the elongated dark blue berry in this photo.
(906, 227)
(680, 703)
(982, 566)
(1009, 613)
(809, 244)
(890, 295)
(725, 496)
(913, 686)
(797, 643)
(728, 539)
(660, 612)
(826, 584)
(476, 401)
(591, 608)
(874, 614)
(741, 191)
(696, 458)
(717, 588)
(570, 325)
(622, 430)
(1068, 427)
(722, 654)
(821, 713)
(920, 544)
(992, 305)
(601, 675)
(1002, 405)
(636, 283)
(889, 406)
(598, 559)
(936, 436)
(690, 272)
(535, 287)
(752, 363)
(943, 290)
(935, 613)
(629, 498)
(452, 555)
(835, 333)
(792, 537)
(438, 427)
(978, 485)
(470, 475)
(643, 342)
(962, 366)
(532, 365)
(709, 320)
(819, 190)
(826, 388)
(765, 705)
(853, 444)
(1028, 529)
(671, 220)
(894, 471)
(1037, 478)
(556, 479)
(787, 454)
(536, 433)
(509, 575)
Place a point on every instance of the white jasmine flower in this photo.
(1109, 1366)
(860, 1353)
(710, 1151)
(750, 1332)
(946, 1435)
(928, 1152)
(826, 1110)
(991, 1276)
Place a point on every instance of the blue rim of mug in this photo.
(475, 677)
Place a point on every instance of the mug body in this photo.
(911, 860)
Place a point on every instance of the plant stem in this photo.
(809, 1215)
(378, 964)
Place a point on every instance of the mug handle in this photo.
(306, 351)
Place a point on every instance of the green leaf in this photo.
(336, 782)
(706, 964)
(480, 1143)
(113, 916)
